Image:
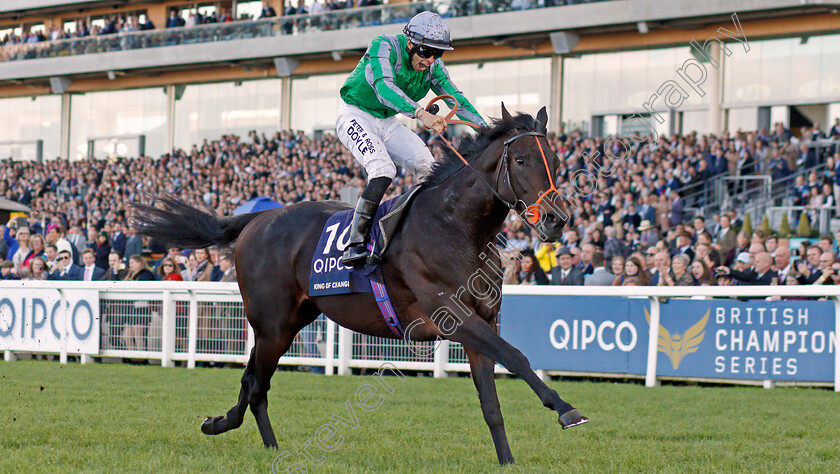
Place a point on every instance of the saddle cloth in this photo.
(328, 276)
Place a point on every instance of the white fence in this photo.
(192, 322)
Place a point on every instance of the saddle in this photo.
(389, 223)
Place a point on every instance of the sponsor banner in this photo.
(32, 320)
(578, 333)
(756, 339)
(717, 338)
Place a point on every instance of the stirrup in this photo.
(353, 257)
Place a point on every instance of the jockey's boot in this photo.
(357, 252)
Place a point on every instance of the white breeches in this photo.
(377, 144)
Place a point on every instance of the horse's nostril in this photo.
(551, 218)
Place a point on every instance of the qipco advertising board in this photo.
(712, 338)
(34, 320)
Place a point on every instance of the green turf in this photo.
(113, 418)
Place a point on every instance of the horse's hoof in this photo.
(207, 425)
(572, 418)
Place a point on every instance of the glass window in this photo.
(620, 83)
(208, 111)
(125, 115)
(249, 10)
(28, 119)
(745, 119)
(315, 102)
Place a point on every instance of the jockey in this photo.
(395, 72)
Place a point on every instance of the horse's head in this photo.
(530, 167)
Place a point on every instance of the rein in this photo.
(532, 212)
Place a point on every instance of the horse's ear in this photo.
(542, 118)
(505, 114)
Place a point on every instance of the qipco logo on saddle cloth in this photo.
(329, 276)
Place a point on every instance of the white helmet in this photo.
(428, 29)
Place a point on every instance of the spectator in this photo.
(547, 256)
(139, 316)
(38, 269)
(6, 271)
(761, 275)
(199, 269)
(684, 245)
(37, 246)
(681, 275)
(531, 273)
(613, 247)
(701, 274)
(21, 251)
(649, 235)
(600, 276)
(512, 266)
(662, 268)
(101, 248)
(634, 273)
(586, 259)
(116, 269)
(65, 269)
(175, 20)
(91, 271)
(617, 267)
(267, 11)
(565, 273)
(226, 264)
(50, 255)
(133, 244)
(118, 238)
(169, 271)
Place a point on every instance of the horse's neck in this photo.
(470, 204)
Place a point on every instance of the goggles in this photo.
(426, 52)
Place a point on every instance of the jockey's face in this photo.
(420, 63)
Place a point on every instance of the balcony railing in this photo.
(265, 28)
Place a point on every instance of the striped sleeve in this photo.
(442, 84)
(379, 73)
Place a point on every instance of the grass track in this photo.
(107, 418)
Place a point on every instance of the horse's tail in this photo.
(176, 222)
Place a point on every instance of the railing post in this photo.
(836, 343)
(345, 350)
(653, 343)
(441, 358)
(329, 365)
(250, 341)
(167, 328)
(193, 331)
(9, 356)
(62, 358)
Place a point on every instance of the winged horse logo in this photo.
(677, 346)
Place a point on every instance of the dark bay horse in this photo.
(441, 243)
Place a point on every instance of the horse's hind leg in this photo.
(233, 419)
(481, 367)
(272, 342)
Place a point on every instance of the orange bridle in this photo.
(532, 213)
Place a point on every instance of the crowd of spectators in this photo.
(629, 214)
(14, 46)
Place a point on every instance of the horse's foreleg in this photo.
(481, 367)
(234, 417)
(478, 335)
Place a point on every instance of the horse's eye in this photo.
(520, 161)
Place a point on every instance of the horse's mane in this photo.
(472, 146)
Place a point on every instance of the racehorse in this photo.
(443, 240)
